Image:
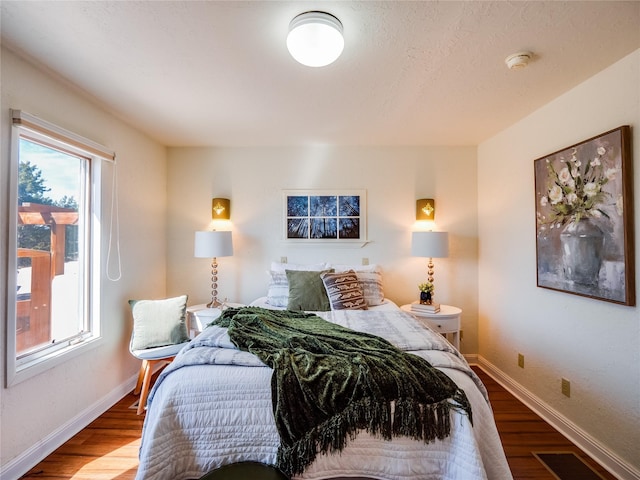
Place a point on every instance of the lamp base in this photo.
(215, 303)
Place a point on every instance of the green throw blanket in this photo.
(329, 382)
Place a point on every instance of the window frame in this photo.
(32, 128)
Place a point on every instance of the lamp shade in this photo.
(213, 244)
(430, 244)
(315, 39)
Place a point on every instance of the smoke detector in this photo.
(518, 60)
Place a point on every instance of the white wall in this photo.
(394, 178)
(36, 409)
(594, 344)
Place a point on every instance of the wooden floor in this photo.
(523, 432)
(108, 448)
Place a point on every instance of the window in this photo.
(54, 254)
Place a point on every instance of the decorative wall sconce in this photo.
(425, 209)
(220, 209)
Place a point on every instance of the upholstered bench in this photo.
(245, 471)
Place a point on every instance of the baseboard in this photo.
(471, 358)
(605, 457)
(24, 462)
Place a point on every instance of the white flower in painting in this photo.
(591, 189)
(555, 194)
(577, 188)
(619, 207)
(564, 176)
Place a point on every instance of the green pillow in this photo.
(157, 323)
(306, 291)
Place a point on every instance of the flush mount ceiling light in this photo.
(518, 60)
(315, 39)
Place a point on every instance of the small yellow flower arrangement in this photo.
(426, 287)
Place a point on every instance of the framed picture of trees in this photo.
(328, 216)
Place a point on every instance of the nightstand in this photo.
(446, 321)
(199, 316)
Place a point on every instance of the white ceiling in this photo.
(412, 72)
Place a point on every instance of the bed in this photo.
(212, 407)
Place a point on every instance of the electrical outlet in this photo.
(365, 261)
(283, 259)
(521, 360)
(565, 387)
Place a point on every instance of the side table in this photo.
(446, 321)
(199, 316)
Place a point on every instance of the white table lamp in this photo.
(432, 245)
(213, 244)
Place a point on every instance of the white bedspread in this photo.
(212, 406)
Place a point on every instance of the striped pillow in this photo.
(344, 291)
(370, 277)
(372, 287)
(278, 291)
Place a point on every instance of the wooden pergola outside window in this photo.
(34, 313)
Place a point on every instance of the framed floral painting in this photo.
(584, 219)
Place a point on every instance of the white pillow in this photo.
(157, 323)
(278, 290)
(356, 268)
(372, 287)
(281, 267)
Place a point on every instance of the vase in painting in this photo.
(582, 251)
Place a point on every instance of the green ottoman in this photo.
(245, 471)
